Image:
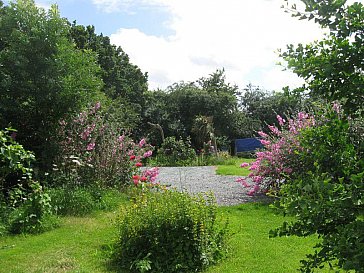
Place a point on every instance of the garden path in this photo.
(204, 179)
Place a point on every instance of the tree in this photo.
(43, 77)
(262, 106)
(333, 67)
(120, 77)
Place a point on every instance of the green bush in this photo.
(175, 153)
(169, 231)
(15, 161)
(31, 211)
(327, 197)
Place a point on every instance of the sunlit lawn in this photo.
(81, 244)
(234, 169)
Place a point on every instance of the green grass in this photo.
(234, 168)
(79, 245)
(251, 249)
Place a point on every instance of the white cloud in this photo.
(241, 36)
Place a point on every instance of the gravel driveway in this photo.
(203, 179)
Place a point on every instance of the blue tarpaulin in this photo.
(247, 145)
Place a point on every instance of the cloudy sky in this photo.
(175, 40)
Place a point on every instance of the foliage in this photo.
(31, 210)
(169, 231)
(332, 67)
(121, 78)
(177, 108)
(42, 75)
(175, 152)
(261, 106)
(327, 195)
(15, 161)
(94, 151)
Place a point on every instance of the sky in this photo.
(184, 40)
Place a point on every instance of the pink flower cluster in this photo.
(148, 176)
(276, 162)
(110, 157)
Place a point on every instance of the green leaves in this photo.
(332, 67)
(13, 158)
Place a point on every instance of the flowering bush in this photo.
(327, 197)
(278, 160)
(94, 151)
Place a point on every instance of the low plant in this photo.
(169, 231)
(81, 201)
(24, 205)
(30, 210)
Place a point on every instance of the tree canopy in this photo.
(43, 76)
(333, 68)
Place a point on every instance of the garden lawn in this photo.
(79, 245)
(234, 169)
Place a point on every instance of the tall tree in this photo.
(333, 67)
(121, 78)
(43, 77)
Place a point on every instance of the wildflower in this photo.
(132, 157)
(147, 154)
(281, 121)
(143, 179)
(336, 107)
(265, 142)
(90, 146)
(141, 143)
(262, 134)
(245, 164)
(274, 130)
(138, 164)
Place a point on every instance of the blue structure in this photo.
(247, 145)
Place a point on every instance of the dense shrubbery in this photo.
(278, 160)
(317, 173)
(327, 197)
(24, 206)
(175, 153)
(169, 231)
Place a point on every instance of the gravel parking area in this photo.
(203, 179)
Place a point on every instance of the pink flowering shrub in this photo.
(94, 151)
(277, 161)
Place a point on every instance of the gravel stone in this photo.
(204, 179)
